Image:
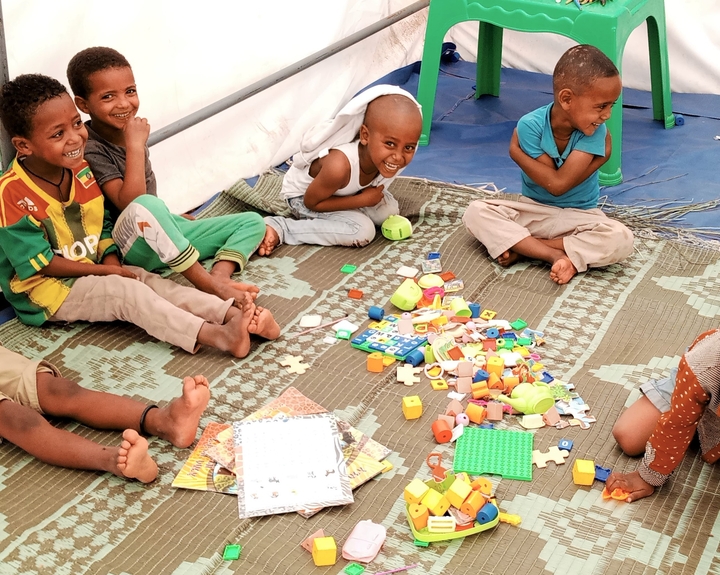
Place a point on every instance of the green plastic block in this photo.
(524, 341)
(354, 569)
(419, 543)
(518, 324)
(231, 552)
(343, 334)
(495, 451)
(348, 268)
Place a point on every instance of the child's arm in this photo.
(122, 191)
(577, 168)
(334, 174)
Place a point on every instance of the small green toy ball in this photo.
(396, 228)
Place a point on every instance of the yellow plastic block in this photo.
(483, 485)
(496, 365)
(436, 503)
(412, 406)
(388, 360)
(537, 367)
(415, 491)
(457, 493)
(419, 515)
(462, 476)
(438, 384)
(487, 314)
(324, 551)
(583, 472)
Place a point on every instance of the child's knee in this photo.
(627, 439)
(18, 418)
(364, 234)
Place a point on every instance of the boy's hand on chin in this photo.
(137, 131)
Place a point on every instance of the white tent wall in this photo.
(186, 55)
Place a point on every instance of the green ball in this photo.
(396, 228)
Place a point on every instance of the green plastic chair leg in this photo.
(487, 77)
(660, 72)
(610, 172)
(427, 84)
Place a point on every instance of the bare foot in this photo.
(263, 324)
(178, 421)
(226, 288)
(269, 242)
(562, 271)
(508, 258)
(133, 459)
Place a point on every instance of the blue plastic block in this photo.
(433, 255)
(565, 444)
(493, 333)
(602, 473)
(480, 375)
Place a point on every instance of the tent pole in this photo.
(7, 150)
(237, 97)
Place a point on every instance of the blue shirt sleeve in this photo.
(530, 130)
(594, 144)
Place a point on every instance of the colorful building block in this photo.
(415, 491)
(566, 444)
(496, 365)
(436, 502)
(583, 472)
(232, 552)
(419, 515)
(476, 413)
(375, 362)
(444, 524)
(457, 493)
(355, 294)
(324, 551)
(412, 407)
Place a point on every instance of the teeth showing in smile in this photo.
(121, 116)
(72, 155)
(391, 167)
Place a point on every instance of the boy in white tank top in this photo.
(338, 190)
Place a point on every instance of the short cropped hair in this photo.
(580, 67)
(20, 99)
(87, 62)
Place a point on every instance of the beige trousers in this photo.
(590, 238)
(18, 378)
(164, 309)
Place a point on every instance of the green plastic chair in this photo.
(606, 27)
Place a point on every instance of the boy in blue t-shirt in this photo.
(560, 148)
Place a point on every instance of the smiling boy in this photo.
(337, 185)
(560, 148)
(58, 261)
(147, 234)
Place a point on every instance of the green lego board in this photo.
(495, 451)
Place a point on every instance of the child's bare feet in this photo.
(508, 258)
(226, 288)
(562, 271)
(263, 324)
(133, 459)
(178, 421)
(269, 242)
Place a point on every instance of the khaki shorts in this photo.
(18, 378)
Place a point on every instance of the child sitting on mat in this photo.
(145, 231)
(664, 420)
(29, 389)
(337, 184)
(57, 259)
(560, 148)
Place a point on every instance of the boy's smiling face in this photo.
(58, 136)
(587, 111)
(113, 99)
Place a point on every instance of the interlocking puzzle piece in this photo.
(232, 552)
(407, 374)
(294, 364)
(553, 454)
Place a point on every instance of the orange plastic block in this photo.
(476, 413)
(480, 389)
(442, 431)
(447, 276)
(496, 365)
(489, 345)
(457, 493)
(483, 485)
(509, 382)
(355, 294)
(419, 515)
(473, 503)
(455, 353)
(494, 381)
(618, 494)
(375, 362)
